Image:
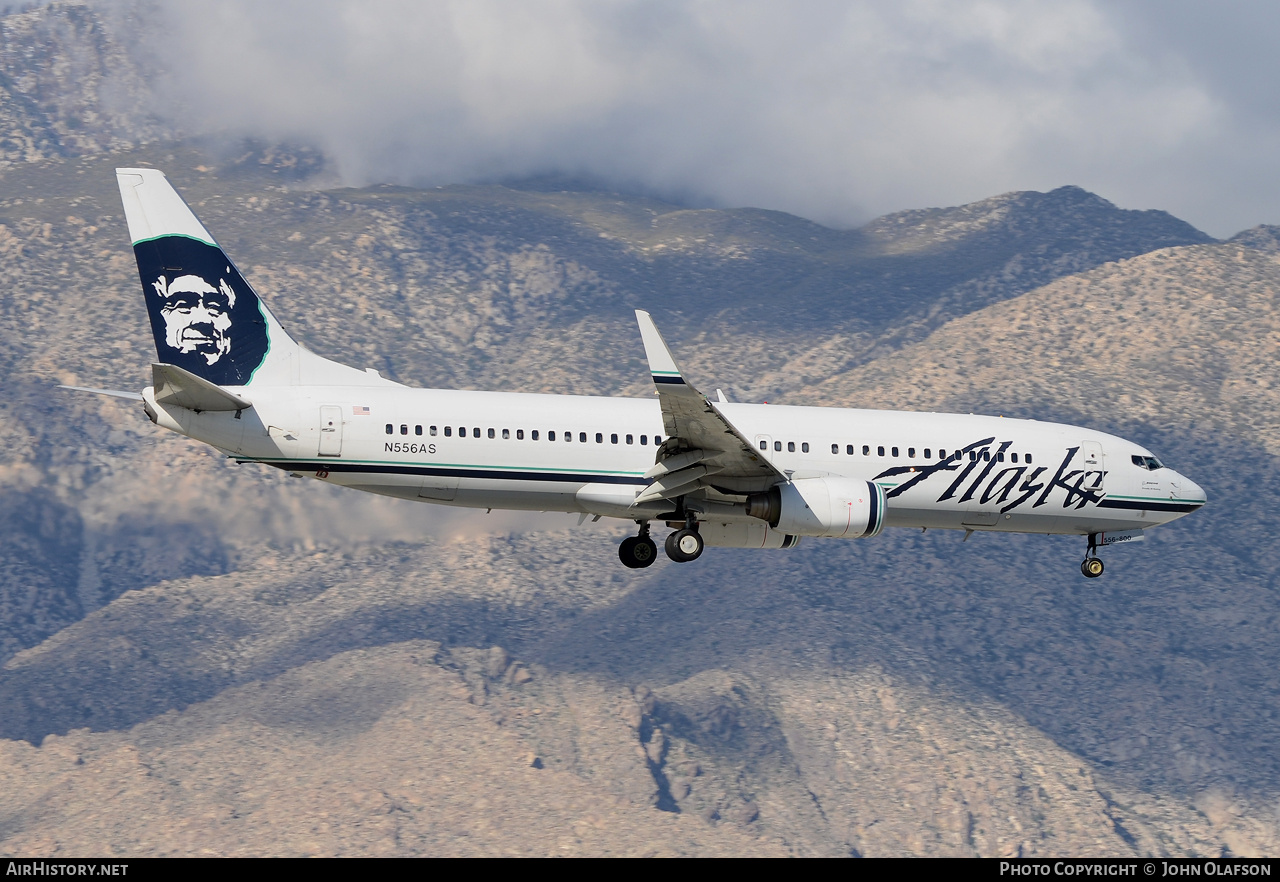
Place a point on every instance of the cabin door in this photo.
(1091, 460)
(330, 431)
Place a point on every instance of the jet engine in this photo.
(830, 507)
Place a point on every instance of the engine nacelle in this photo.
(830, 507)
(721, 535)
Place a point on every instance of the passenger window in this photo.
(1013, 457)
(777, 445)
(568, 436)
(835, 448)
(764, 445)
(928, 453)
(942, 454)
(404, 430)
(433, 431)
(1000, 456)
(880, 450)
(657, 440)
(599, 437)
(791, 447)
(894, 451)
(973, 456)
(911, 452)
(866, 449)
(519, 434)
(448, 431)
(475, 433)
(491, 433)
(644, 440)
(391, 430)
(848, 450)
(551, 436)
(582, 437)
(1028, 459)
(533, 435)
(506, 434)
(804, 448)
(417, 430)
(631, 439)
(613, 439)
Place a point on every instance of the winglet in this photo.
(661, 362)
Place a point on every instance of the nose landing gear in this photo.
(1091, 566)
(638, 552)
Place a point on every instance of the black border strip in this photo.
(1150, 505)
(434, 471)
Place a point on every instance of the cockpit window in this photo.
(1150, 463)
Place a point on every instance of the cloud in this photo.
(837, 111)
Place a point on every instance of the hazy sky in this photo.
(834, 111)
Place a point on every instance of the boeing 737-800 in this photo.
(717, 473)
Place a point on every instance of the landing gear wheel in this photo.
(684, 545)
(1091, 567)
(637, 552)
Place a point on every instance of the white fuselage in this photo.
(589, 454)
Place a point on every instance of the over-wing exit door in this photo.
(764, 446)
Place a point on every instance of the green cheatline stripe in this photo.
(459, 465)
(208, 242)
(664, 373)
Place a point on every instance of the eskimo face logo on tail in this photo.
(204, 317)
(197, 316)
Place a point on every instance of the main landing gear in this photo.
(685, 544)
(1091, 566)
(638, 552)
(682, 546)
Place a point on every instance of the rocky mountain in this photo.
(241, 663)
(68, 87)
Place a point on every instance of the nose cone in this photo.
(1188, 490)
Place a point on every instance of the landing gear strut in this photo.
(638, 552)
(685, 544)
(1091, 566)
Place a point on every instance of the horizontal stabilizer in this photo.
(114, 393)
(181, 388)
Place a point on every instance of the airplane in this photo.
(717, 473)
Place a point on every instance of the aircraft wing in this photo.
(702, 444)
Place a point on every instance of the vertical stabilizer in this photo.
(205, 317)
